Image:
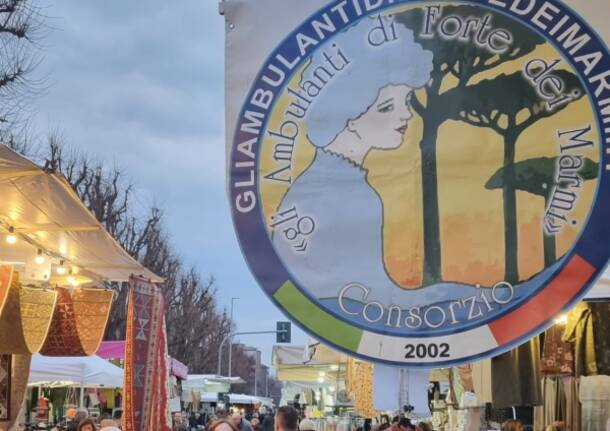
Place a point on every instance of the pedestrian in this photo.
(193, 421)
(307, 425)
(268, 423)
(240, 422)
(81, 415)
(179, 424)
(256, 424)
(424, 426)
(109, 425)
(286, 419)
(404, 424)
(86, 425)
(512, 425)
(222, 425)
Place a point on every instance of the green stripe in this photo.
(317, 320)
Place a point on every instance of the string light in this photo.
(320, 379)
(562, 320)
(61, 269)
(39, 257)
(11, 238)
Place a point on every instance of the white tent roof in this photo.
(312, 363)
(87, 371)
(200, 380)
(46, 213)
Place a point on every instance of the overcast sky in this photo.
(141, 84)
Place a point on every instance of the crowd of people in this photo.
(285, 419)
(82, 422)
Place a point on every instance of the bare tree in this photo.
(21, 27)
(195, 325)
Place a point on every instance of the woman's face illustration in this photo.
(384, 124)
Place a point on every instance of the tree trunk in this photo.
(509, 194)
(549, 241)
(432, 236)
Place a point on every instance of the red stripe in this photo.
(546, 304)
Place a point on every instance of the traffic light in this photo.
(283, 332)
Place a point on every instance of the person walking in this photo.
(512, 425)
(86, 425)
(222, 425)
(193, 421)
(109, 425)
(80, 416)
(286, 419)
(240, 422)
(307, 425)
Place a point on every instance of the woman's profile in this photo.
(365, 107)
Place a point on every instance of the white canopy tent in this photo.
(82, 371)
(212, 397)
(42, 210)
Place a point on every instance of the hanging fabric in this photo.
(594, 396)
(146, 372)
(5, 387)
(25, 319)
(359, 384)
(600, 313)
(91, 311)
(557, 355)
(579, 330)
(79, 322)
(573, 408)
(6, 272)
(63, 337)
(20, 370)
(520, 367)
(481, 381)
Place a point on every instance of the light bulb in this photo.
(334, 367)
(74, 282)
(320, 379)
(11, 238)
(39, 258)
(562, 320)
(70, 279)
(61, 269)
(322, 374)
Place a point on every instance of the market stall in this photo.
(85, 371)
(313, 377)
(56, 263)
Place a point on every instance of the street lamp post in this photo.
(227, 337)
(255, 373)
(231, 338)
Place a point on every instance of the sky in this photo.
(140, 85)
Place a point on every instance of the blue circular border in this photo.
(267, 266)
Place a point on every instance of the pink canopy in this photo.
(116, 350)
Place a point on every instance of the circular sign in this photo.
(426, 183)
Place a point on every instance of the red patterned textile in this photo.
(146, 406)
(79, 322)
(63, 337)
(5, 387)
(6, 271)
